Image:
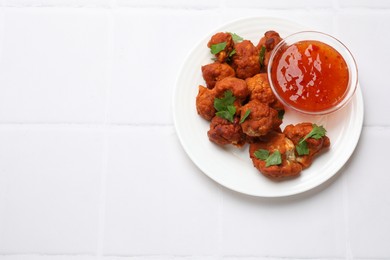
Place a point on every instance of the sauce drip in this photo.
(310, 75)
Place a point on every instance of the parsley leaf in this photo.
(225, 106)
(270, 159)
(236, 38)
(317, 132)
(302, 148)
(217, 48)
(245, 116)
(281, 113)
(222, 103)
(231, 109)
(274, 159)
(225, 115)
(262, 56)
(232, 53)
(261, 154)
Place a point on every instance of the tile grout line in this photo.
(104, 172)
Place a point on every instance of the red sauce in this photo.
(310, 75)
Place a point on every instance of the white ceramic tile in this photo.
(368, 182)
(199, 4)
(366, 4)
(310, 225)
(280, 4)
(321, 20)
(53, 65)
(158, 202)
(161, 257)
(150, 48)
(49, 189)
(362, 32)
(55, 3)
(47, 257)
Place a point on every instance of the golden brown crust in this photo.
(205, 103)
(276, 141)
(297, 132)
(223, 132)
(246, 60)
(216, 71)
(260, 88)
(269, 41)
(237, 86)
(221, 37)
(261, 120)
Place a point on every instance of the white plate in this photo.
(232, 167)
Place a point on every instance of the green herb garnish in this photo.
(317, 132)
(261, 154)
(262, 56)
(270, 159)
(302, 148)
(225, 106)
(281, 113)
(217, 48)
(236, 38)
(232, 53)
(274, 159)
(245, 116)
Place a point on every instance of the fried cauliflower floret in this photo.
(237, 86)
(260, 88)
(261, 119)
(221, 37)
(245, 61)
(297, 132)
(273, 142)
(205, 98)
(223, 132)
(269, 41)
(205, 103)
(216, 71)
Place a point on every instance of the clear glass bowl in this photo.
(339, 47)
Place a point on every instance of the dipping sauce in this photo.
(310, 75)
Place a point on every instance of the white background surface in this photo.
(91, 166)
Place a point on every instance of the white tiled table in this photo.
(88, 171)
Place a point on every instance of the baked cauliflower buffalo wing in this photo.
(224, 38)
(205, 98)
(268, 41)
(205, 103)
(223, 132)
(296, 133)
(297, 147)
(216, 71)
(245, 61)
(260, 89)
(276, 145)
(261, 119)
(237, 86)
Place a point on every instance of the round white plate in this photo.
(232, 167)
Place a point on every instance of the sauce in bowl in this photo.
(312, 73)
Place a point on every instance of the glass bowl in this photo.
(286, 83)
